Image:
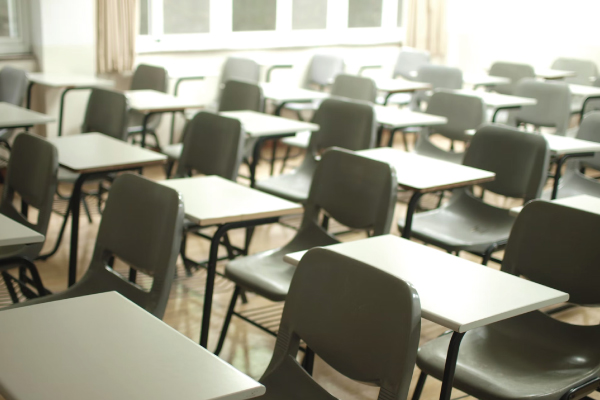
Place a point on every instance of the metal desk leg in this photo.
(74, 205)
(450, 366)
(410, 211)
(279, 108)
(387, 98)
(212, 269)
(29, 87)
(255, 160)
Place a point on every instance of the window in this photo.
(183, 25)
(14, 31)
(400, 13)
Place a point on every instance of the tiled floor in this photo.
(247, 348)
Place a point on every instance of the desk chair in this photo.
(552, 108)
(107, 112)
(346, 86)
(141, 225)
(31, 174)
(319, 74)
(147, 77)
(368, 330)
(513, 71)
(356, 191)
(343, 123)
(466, 222)
(591, 104)
(212, 145)
(586, 70)
(13, 84)
(574, 181)
(464, 112)
(534, 356)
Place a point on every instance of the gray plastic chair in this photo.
(356, 191)
(553, 106)
(591, 104)
(586, 70)
(147, 77)
(573, 182)
(534, 356)
(368, 330)
(31, 175)
(348, 86)
(107, 112)
(141, 225)
(346, 124)
(319, 74)
(13, 85)
(440, 77)
(466, 223)
(513, 71)
(464, 112)
(241, 69)
(409, 62)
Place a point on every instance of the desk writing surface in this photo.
(483, 79)
(401, 85)
(422, 173)
(155, 101)
(402, 118)
(210, 200)
(567, 145)
(95, 152)
(260, 124)
(282, 93)
(582, 202)
(497, 100)
(18, 117)
(13, 233)
(583, 90)
(104, 346)
(454, 292)
(548, 73)
(68, 80)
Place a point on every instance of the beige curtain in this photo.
(116, 35)
(426, 27)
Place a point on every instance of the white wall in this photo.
(530, 31)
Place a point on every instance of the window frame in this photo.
(20, 44)
(222, 37)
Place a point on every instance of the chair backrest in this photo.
(513, 71)
(553, 108)
(32, 174)
(212, 145)
(356, 191)
(150, 77)
(240, 69)
(107, 112)
(519, 159)
(343, 123)
(362, 321)
(556, 246)
(322, 69)
(240, 95)
(589, 129)
(586, 70)
(141, 225)
(13, 85)
(354, 87)
(464, 112)
(440, 77)
(410, 61)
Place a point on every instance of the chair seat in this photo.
(67, 176)
(463, 224)
(301, 140)
(266, 273)
(304, 106)
(293, 186)
(173, 151)
(573, 183)
(12, 251)
(531, 356)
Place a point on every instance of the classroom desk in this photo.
(393, 86)
(552, 74)
(93, 155)
(396, 119)
(13, 233)
(103, 346)
(211, 200)
(477, 79)
(455, 293)
(281, 95)
(151, 102)
(67, 82)
(422, 174)
(12, 117)
(582, 202)
(497, 101)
